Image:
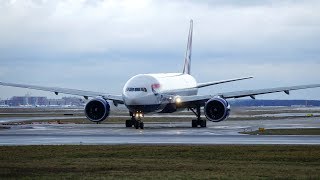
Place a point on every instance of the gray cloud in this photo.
(102, 26)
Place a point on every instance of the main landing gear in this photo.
(198, 122)
(137, 123)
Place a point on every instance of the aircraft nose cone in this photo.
(130, 99)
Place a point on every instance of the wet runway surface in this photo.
(23, 119)
(226, 132)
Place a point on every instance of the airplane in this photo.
(164, 93)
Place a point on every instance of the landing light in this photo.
(139, 115)
(178, 100)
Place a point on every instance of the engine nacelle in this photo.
(216, 109)
(97, 110)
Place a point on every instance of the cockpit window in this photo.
(130, 89)
(136, 89)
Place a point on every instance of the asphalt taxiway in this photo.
(226, 132)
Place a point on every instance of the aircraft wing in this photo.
(116, 98)
(252, 93)
(201, 99)
(201, 85)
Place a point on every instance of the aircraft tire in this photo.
(136, 124)
(194, 123)
(128, 123)
(141, 125)
(203, 123)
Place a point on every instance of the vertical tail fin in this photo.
(187, 59)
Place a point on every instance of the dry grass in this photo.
(298, 131)
(159, 162)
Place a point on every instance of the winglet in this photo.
(187, 59)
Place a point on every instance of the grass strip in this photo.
(298, 131)
(160, 162)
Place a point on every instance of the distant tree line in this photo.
(252, 102)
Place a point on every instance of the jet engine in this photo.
(97, 110)
(216, 109)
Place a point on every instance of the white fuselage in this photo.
(148, 92)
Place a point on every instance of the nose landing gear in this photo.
(135, 120)
(139, 124)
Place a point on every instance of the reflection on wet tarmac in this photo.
(22, 119)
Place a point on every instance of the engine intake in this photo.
(97, 110)
(216, 109)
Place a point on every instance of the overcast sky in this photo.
(98, 45)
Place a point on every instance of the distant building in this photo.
(42, 101)
(73, 101)
(66, 101)
(27, 100)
